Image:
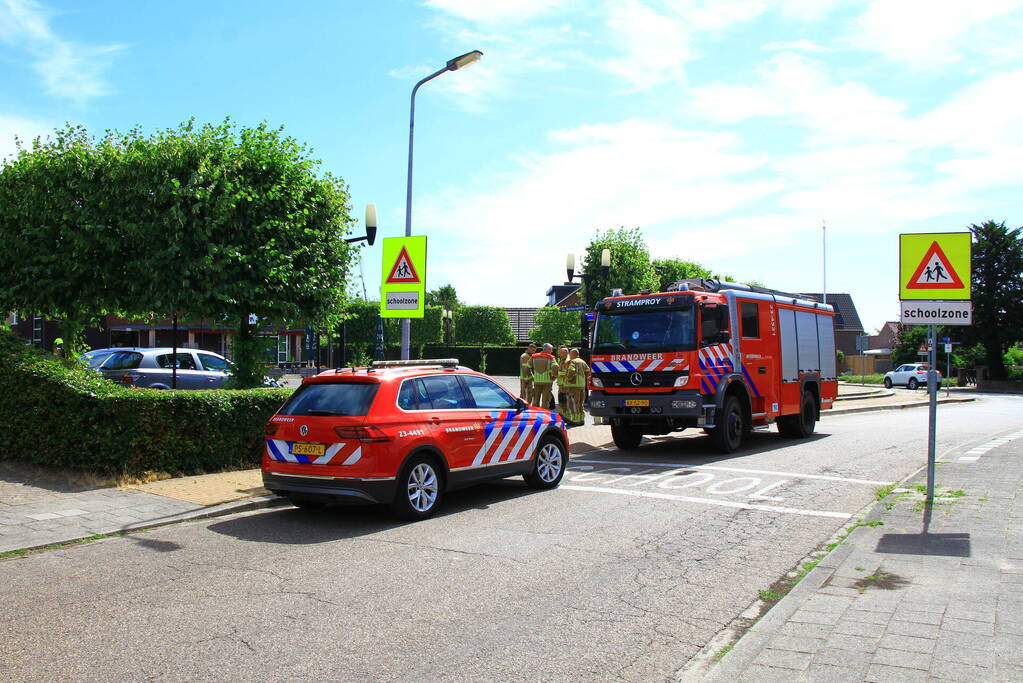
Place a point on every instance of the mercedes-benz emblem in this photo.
(635, 379)
(303, 430)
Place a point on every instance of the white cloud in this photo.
(931, 34)
(794, 45)
(70, 70)
(496, 11)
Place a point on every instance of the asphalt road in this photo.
(622, 573)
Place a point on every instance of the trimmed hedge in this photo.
(63, 415)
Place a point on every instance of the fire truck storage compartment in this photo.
(807, 344)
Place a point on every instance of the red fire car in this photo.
(404, 433)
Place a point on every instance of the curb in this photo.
(211, 511)
(895, 406)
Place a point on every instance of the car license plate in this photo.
(308, 449)
(637, 402)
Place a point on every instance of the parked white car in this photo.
(910, 375)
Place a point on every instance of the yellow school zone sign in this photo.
(403, 284)
(935, 266)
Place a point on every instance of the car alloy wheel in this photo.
(549, 463)
(422, 487)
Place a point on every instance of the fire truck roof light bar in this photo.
(712, 285)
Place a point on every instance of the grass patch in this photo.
(768, 595)
(720, 654)
(803, 571)
(885, 491)
(957, 493)
(56, 546)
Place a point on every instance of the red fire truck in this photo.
(721, 356)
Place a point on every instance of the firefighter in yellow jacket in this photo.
(544, 368)
(559, 380)
(526, 374)
(576, 374)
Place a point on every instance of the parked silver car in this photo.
(153, 368)
(913, 375)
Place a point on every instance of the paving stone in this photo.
(43, 516)
(881, 673)
(918, 617)
(805, 616)
(869, 617)
(909, 628)
(847, 642)
(72, 512)
(794, 644)
(954, 671)
(826, 673)
(908, 643)
(949, 640)
(979, 628)
(965, 656)
(859, 628)
(909, 660)
(800, 630)
(783, 659)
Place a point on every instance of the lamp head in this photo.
(570, 266)
(465, 60)
(371, 223)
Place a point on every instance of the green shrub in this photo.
(57, 413)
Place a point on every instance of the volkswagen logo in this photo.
(635, 379)
(303, 430)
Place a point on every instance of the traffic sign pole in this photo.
(932, 420)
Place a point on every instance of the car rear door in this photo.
(216, 368)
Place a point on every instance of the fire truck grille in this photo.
(623, 380)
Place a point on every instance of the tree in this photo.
(631, 270)
(194, 221)
(671, 270)
(428, 329)
(444, 296)
(997, 293)
(909, 341)
(483, 326)
(554, 327)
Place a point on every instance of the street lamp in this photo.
(587, 277)
(455, 64)
(448, 319)
(371, 227)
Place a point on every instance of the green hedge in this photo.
(63, 415)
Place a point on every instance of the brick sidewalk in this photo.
(922, 596)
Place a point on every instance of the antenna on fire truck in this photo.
(824, 262)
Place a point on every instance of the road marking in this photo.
(795, 475)
(973, 455)
(708, 501)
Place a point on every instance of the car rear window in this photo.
(122, 360)
(350, 398)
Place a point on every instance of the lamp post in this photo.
(369, 238)
(455, 64)
(448, 319)
(586, 278)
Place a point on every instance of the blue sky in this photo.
(728, 131)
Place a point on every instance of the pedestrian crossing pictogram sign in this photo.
(403, 278)
(404, 271)
(935, 266)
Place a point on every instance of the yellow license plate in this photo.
(637, 402)
(308, 449)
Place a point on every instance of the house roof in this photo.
(846, 317)
(558, 293)
(522, 321)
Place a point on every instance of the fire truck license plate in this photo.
(637, 402)
(308, 448)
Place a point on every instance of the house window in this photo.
(750, 320)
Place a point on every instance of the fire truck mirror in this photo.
(724, 337)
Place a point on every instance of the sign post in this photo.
(934, 289)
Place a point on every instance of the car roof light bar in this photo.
(441, 362)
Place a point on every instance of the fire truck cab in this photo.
(724, 357)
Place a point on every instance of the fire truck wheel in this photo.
(419, 489)
(626, 438)
(728, 430)
(802, 425)
(548, 465)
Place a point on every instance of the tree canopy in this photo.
(444, 296)
(671, 270)
(631, 270)
(195, 221)
(554, 327)
(997, 292)
(483, 326)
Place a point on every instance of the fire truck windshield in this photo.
(645, 331)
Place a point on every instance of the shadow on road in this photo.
(698, 449)
(292, 526)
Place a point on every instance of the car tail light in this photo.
(270, 429)
(363, 434)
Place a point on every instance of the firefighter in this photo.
(526, 374)
(543, 366)
(559, 379)
(577, 393)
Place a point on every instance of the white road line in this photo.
(794, 475)
(973, 455)
(708, 501)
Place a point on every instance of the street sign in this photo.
(403, 283)
(935, 266)
(569, 309)
(862, 342)
(936, 312)
(948, 348)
